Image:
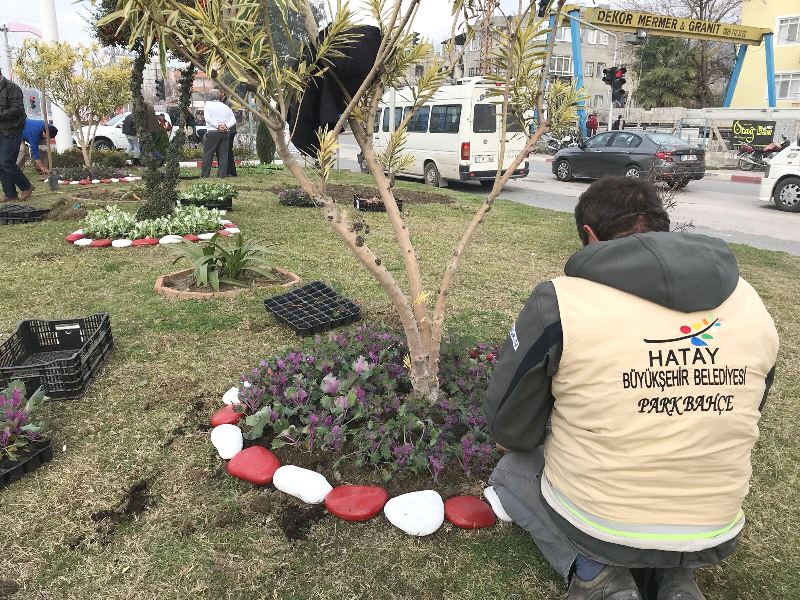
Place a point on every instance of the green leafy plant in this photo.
(17, 427)
(203, 192)
(111, 222)
(265, 145)
(216, 262)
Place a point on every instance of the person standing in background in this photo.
(219, 119)
(232, 132)
(12, 122)
(617, 125)
(591, 124)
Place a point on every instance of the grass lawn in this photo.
(206, 535)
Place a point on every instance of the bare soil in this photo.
(345, 193)
(185, 283)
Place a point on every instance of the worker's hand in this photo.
(222, 128)
(502, 449)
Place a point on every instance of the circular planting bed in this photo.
(336, 423)
(128, 179)
(77, 238)
(181, 285)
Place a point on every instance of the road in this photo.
(723, 209)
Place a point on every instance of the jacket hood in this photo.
(681, 271)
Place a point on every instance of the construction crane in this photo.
(486, 35)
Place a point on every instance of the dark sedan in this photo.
(632, 153)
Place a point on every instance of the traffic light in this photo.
(33, 102)
(160, 91)
(618, 95)
(608, 75)
(543, 5)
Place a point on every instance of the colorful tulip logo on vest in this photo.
(697, 332)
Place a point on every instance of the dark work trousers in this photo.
(216, 143)
(10, 174)
(231, 158)
(517, 481)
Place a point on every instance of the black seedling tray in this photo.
(226, 204)
(42, 452)
(60, 356)
(12, 214)
(313, 308)
(377, 205)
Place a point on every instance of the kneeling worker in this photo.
(651, 359)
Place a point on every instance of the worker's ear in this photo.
(591, 235)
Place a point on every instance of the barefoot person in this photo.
(651, 361)
(12, 122)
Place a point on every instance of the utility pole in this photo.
(50, 34)
(486, 34)
(7, 49)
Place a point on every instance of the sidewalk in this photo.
(715, 174)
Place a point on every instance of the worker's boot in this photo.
(677, 584)
(613, 583)
(26, 194)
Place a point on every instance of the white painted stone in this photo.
(416, 513)
(83, 242)
(228, 441)
(231, 396)
(121, 243)
(225, 222)
(74, 182)
(233, 230)
(206, 236)
(309, 486)
(494, 502)
(78, 232)
(170, 239)
(114, 180)
(95, 181)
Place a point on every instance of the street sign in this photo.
(663, 25)
(755, 133)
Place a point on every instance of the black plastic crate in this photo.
(41, 453)
(313, 308)
(373, 204)
(60, 356)
(12, 214)
(224, 204)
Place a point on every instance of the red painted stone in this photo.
(224, 233)
(255, 464)
(225, 416)
(85, 181)
(191, 237)
(102, 243)
(229, 226)
(145, 242)
(72, 237)
(356, 502)
(468, 512)
(105, 181)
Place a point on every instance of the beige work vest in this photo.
(656, 411)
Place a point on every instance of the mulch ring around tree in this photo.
(343, 194)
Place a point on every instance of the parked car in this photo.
(110, 137)
(781, 182)
(632, 153)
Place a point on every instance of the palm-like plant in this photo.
(216, 262)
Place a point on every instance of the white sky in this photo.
(433, 19)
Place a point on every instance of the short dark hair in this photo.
(52, 131)
(615, 207)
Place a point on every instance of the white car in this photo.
(110, 137)
(781, 183)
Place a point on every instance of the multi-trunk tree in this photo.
(79, 81)
(238, 37)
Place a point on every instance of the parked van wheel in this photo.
(432, 176)
(787, 195)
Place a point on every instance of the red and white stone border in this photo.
(417, 513)
(127, 179)
(77, 238)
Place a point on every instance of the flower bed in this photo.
(119, 229)
(23, 448)
(96, 174)
(218, 194)
(346, 403)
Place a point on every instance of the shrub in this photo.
(95, 172)
(350, 393)
(111, 222)
(74, 158)
(18, 427)
(218, 262)
(265, 145)
(201, 192)
(192, 152)
(295, 197)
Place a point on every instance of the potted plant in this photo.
(222, 268)
(218, 194)
(23, 448)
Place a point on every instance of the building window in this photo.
(472, 71)
(589, 70)
(561, 65)
(474, 44)
(599, 101)
(563, 34)
(602, 38)
(600, 68)
(787, 86)
(789, 30)
(591, 36)
(419, 71)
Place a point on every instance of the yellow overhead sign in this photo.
(630, 21)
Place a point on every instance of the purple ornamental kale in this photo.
(330, 384)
